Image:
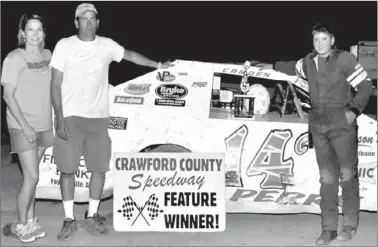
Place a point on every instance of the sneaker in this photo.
(68, 230)
(17, 230)
(34, 222)
(25, 233)
(32, 233)
(95, 225)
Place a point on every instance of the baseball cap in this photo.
(84, 7)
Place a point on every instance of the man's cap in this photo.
(85, 7)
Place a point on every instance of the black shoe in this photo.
(100, 217)
(346, 233)
(95, 225)
(326, 237)
(68, 230)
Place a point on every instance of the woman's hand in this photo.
(29, 133)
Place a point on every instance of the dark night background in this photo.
(202, 31)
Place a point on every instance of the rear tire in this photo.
(166, 148)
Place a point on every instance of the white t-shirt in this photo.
(85, 67)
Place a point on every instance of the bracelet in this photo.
(159, 65)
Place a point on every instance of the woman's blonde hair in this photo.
(25, 18)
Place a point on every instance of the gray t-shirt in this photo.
(30, 74)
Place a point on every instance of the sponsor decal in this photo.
(128, 100)
(182, 73)
(362, 153)
(171, 91)
(118, 123)
(366, 172)
(270, 162)
(250, 73)
(199, 84)
(170, 102)
(165, 76)
(301, 144)
(170, 95)
(365, 141)
(137, 89)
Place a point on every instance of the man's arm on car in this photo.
(139, 59)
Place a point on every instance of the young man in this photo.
(79, 91)
(339, 91)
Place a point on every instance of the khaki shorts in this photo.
(88, 137)
(20, 144)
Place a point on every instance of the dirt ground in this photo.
(241, 229)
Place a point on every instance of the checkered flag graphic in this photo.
(128, 207)
(153, 207)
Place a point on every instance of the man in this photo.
(339, 91)
(79, 89)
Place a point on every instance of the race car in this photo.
(255, 115)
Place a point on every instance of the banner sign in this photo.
(173, 192)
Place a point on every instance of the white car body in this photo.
(269, 167)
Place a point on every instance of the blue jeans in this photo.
(336, 148)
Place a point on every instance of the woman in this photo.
(26, 79)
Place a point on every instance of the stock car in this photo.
(202, 107)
